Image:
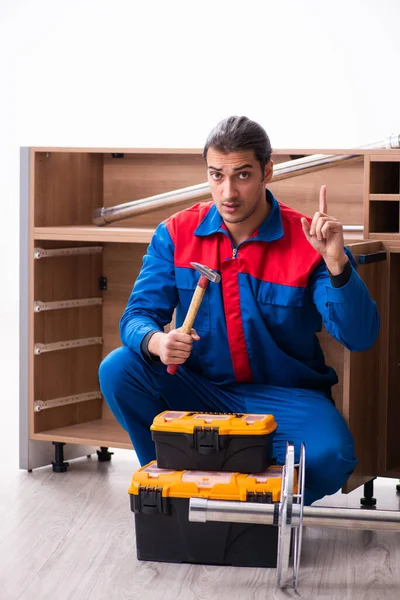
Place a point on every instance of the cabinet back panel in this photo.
(68, 324)
(66, 373)
(68, 188)
(384, 216)
(67, 278)
(63, 416)
(73, 371)
(384, 178)
(121, 265)
(345, 189)
(140, 176)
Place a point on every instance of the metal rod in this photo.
(390, 142)
(51, 252)
(196, 193)
(40, 405)
(353, 228)
(39, 306)
(202, 510)
(354, 518)
(66, 345)
(200, 192)
(284, 170)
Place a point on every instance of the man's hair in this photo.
(239, 133)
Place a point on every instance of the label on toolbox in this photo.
(213, 485)
(227, 424)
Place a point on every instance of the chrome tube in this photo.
(353, 228)
(197, 193)
(202, 511)
(353, 518)
(388, 143)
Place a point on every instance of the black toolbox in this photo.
(207, 441)
(160, 501)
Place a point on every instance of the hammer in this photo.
(206, 275)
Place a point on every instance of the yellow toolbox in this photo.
(160, 501)
(217, 442)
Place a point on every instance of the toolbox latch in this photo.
(150, 501)
(206, 440)
(259, 497)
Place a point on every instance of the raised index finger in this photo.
(323, 206)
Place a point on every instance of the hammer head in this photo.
(207, 272)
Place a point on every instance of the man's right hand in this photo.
(174, 347)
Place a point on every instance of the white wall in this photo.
(315, 74)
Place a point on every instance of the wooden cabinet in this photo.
(76, 278)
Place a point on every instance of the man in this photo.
(253, 348)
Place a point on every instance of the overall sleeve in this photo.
(154, 296)
(348, 312)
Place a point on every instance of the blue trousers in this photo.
(137, 391)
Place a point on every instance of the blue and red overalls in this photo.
(258, 351)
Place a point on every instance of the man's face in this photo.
(237, 184)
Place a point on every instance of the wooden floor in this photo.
(71, 536)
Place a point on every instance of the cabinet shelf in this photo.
(129, 235)
(385, 197)
(92, 233)
(101, 432)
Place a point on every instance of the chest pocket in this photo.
(186, 283)
(282, 295)
(281, 305)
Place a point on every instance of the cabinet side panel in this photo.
(32, 453)
(362, 392)
(24, 310)
(334, 356)
(393, 404)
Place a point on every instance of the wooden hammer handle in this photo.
(193, 309)
(191, 314)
